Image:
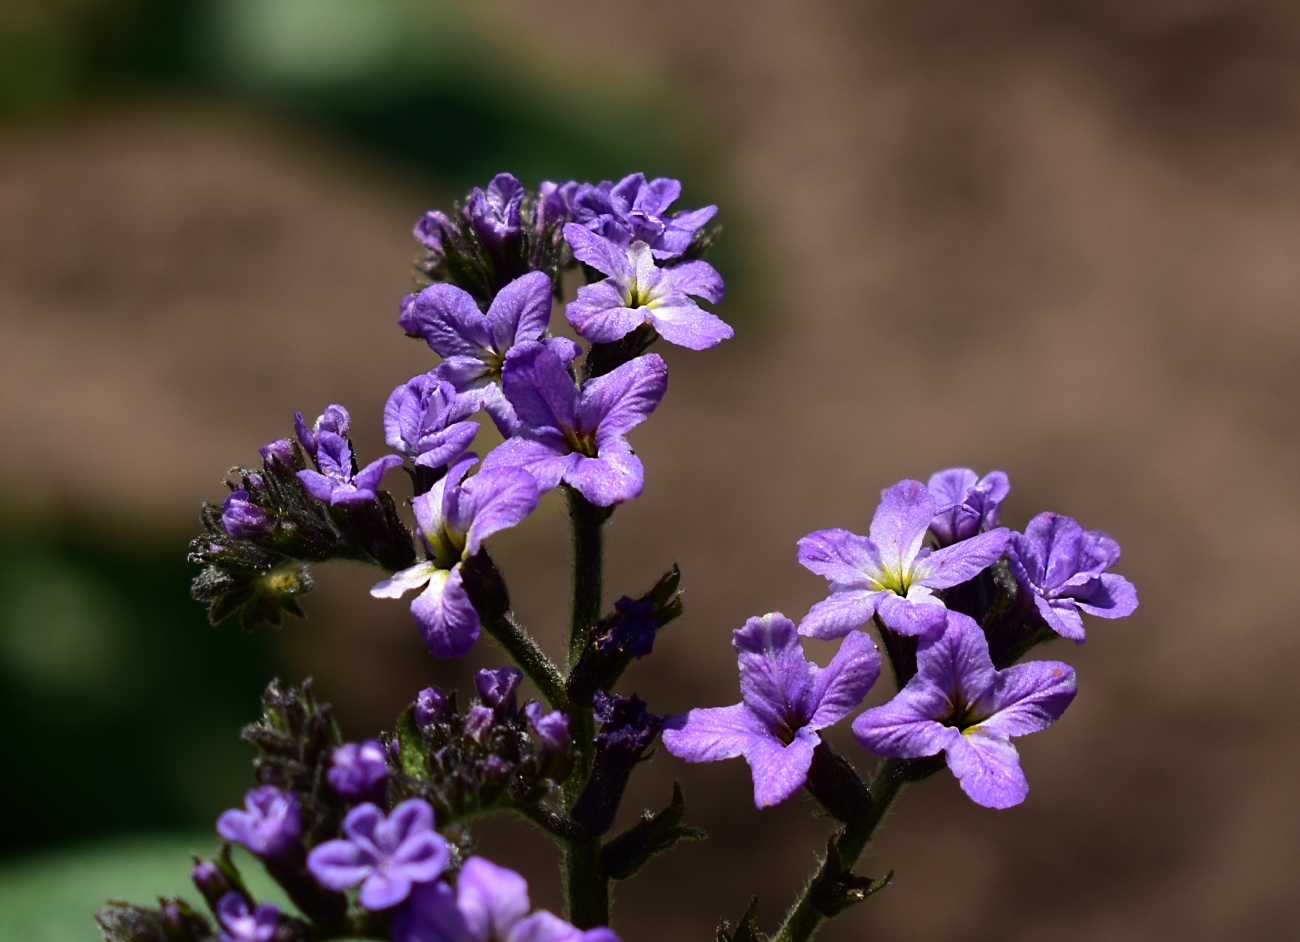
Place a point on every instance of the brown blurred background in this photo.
(1058, 239)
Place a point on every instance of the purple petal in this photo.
(422, 857)
(844, 558)
(446, 618)
(600, 313)
(900, 523)
(542, 926)
(962, 561)
(447, 445)
(430, 915)
(413, 816)
(957, 663)
(1029, 698)
(657, 195)
(367, 479)
(601, 254)
(317, 484)
(780, 771)
(539, 387)
(520, 311)
(546, 459)
(495, 501)
(340, 864)
(775, 678)
(839, 687)
(681, 321)
(841, 612)
(613, 478)
(492, 899)
(988, 769)
(384, 889)
(708, 735)
(905, 727)
(614, 404)
(1062, 616)
(1109, 596)
(950, 487)
(920, 614)
(695, 278)
(467, 375)
(450, 322)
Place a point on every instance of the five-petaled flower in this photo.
(577, 435)
(269, 825)
(336, 482)
(454, 519)
(637, 292)
(634, 210)
(785, 701)
(387, 856)
(1064, 566)
(425, 420)
(489, 904)
(965, 503)
(240, 924)
(890, 573)
(958, 704)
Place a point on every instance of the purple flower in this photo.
(497, 688)
(385, 855)
(243, 519)
(335, 483)
(489, 904)
(431, 707)
(551, 730)
(243, 925)
(577, 435)
(454, 519)
(474, 345)
(494, 214)
(1064, 566)
(959, 704)
(429, 230)
(785, 700)
(279, 450)
(359, 770)
(270, 825)
(334, 419)
(425, 421)
(627, 728)
(555, 202)
(965, 504)
(890, 574)
(633, 210)
(639, 292)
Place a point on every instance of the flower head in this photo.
(577, 435)
(385, 855)
(489, 904)
(1064, 567)
(965, 504)
(638, 292)
(269, 826)
(240, 924)
(336, 483)
(785, 701)
(634, 210)
(334, 419)
(958, 704)
(359, 770)
(890, 573)
(425, 421)
(243, 519)
(454, 519)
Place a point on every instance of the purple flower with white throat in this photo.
(425, 421)
(634, 210)
(474, 345)
(958, 704)
(577, 436)
(243, 519)
(1064, 567)
(336, 483)
(454, 518)
(639, 292)
(334, 419)
(269, 825)
(359, 770)
(785, 701)
(890, 573)
(489, 904)
(495, 213)
(240, 924)
(387, 856)
(965, 503)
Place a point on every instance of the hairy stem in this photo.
(809, 912)
(588, 569)
(586, 885)
(530, 658)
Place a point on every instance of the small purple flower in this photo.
(241, 924)
(958, 704)
(577, 435)
(555, 203)
(279, 450)
(891, 574)
(633, 210)
(479, 720)
(359, 770)
(495, 213)
(474, 345)
(425, 421)
(785, 701)
(1064, 566)
(639, 292)
(335, 483)
(270, 824)
(497, 688)
(429, 230)
(551, 730)
(965, 504)
(489, 904)
(431, 707)
(385, 855)
(454, 519)
(334, 419)
(243, 519)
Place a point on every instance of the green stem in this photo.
(805, 917)
(586, 886)
(588, 569)
(531, 659)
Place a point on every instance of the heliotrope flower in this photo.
(495, 212)
(958, 704)
(359, 770)
(335, 483)
(785, 701)
(454, 519)
(551, 730)
(387, 856)
(496, 688)
(424, 419)
(334, 419)
(243, 519)
(966, 504)
(634, 210)
(269, 825)
(474, 345)
(489, 904)
(240, 924)
(638, 292)
(555, 202)
(1064, 566)
(577, 435)
(890, 573)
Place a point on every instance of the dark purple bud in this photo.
(244, 520)
(359, 770)
(497, 688)
(478, 721)
(279, 450)
(245, 925)
(431, 707)
(627, 727)
(551, 730)
(495, 766)
(635, 632)
(270, 825)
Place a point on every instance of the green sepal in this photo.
(625, 855)
(410, 746)
(835, 888)
(746, 930)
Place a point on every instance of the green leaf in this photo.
(625, 855)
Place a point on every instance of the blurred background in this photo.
(1059, 239)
